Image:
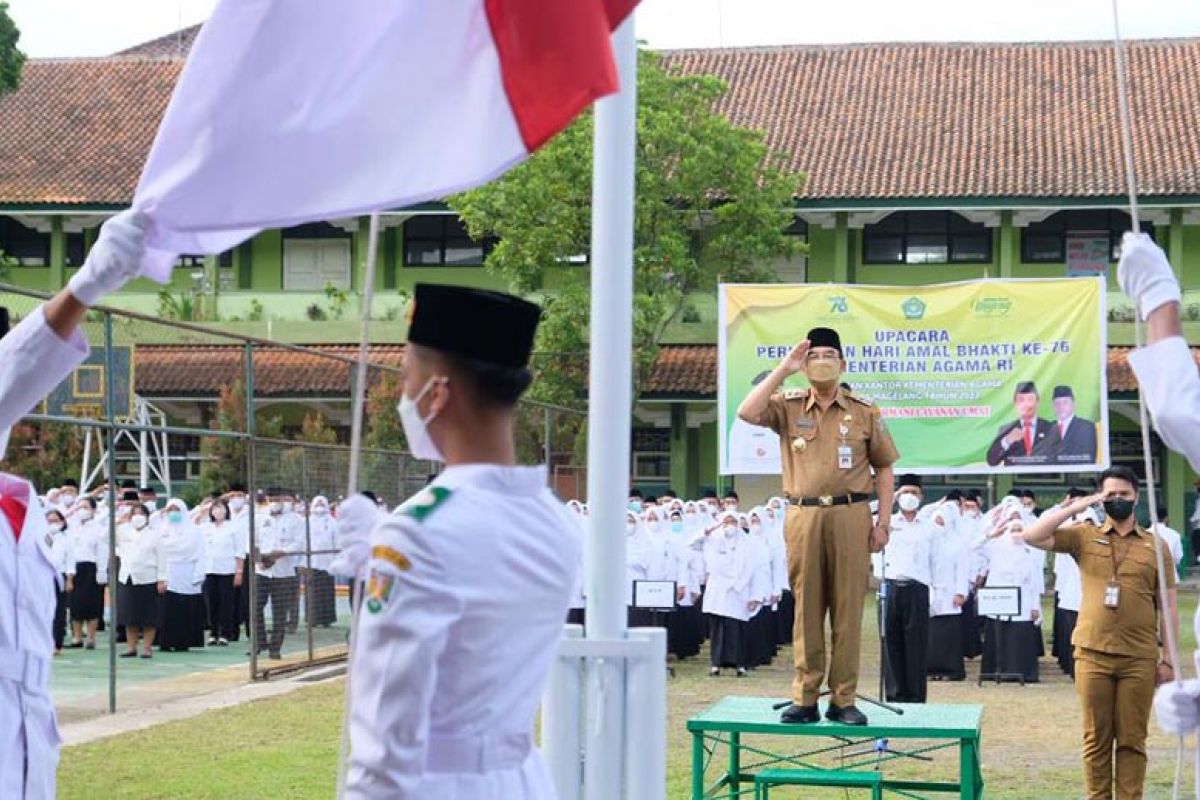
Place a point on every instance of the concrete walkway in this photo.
(151, 704)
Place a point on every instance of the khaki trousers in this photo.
(1116, 693)
(828, 564)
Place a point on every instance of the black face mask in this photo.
(1119, 508)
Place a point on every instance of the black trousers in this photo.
(60, 615)
(221, 598)
(280, 591)
(907, 626)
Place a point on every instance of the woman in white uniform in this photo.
(1012, 646)
(948, 591)
(183, 612)
(321, 531)
(59, 542)
(224, 555)
(90, 547)
(141, 581)
(729, 564)
(761, 629)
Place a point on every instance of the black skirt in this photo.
(684, 636)
(972, 629)
(182, 625)
(945, 654)
(727, 634)
(138, 605)
(1012, 648)
(324, 598)
(87, 598)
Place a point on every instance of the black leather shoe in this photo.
(800, 715)
(847, 716)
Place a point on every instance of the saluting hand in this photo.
(796, 359)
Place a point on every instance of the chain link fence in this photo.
(202, 415)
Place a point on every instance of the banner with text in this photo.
(983, 377)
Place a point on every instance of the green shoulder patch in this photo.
(421, 505)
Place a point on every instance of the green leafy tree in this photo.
(44, 453)
(11, 58)
(225, 459)
(712, 204)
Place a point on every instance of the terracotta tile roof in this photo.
(966, 120)
(77, 131)
(173, 45)
(202, 371)
(691, 371)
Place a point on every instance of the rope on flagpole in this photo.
(356, 424)
(1164, 597)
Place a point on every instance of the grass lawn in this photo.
(287, 747)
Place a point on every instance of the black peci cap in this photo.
(492, 327)
(909, 480)
(1026, 387)
(1063, 391)
(825, 337)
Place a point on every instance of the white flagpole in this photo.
(609, 412)
(356, 426)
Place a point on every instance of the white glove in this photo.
(114, 259)
(1177, 707)
(357, 518)
(1145, 274)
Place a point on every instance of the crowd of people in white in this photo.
(183, 575)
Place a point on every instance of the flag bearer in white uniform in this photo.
(460, 620)
(37, 355)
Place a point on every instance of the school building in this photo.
(924, 163)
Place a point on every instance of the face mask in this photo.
(909, 502)
(150, 504)
(276, 508)
(218, 513)
(416, 428)
(237, 504)
(320, 511)
(86, 515)
(824, 371)
(175, 517)
(677, 526)
(68, 499)
(635, 506)
(298, 508)
(730, 530)
(138, 522)
(56, 527)
(1119, 508)
(755, 527)
(731, 507)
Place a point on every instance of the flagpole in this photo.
(610, 411)
(356, 426)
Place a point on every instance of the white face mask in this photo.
(276, 508)
(909, 502)
(237, 504)
(416, 428)
(730, 529)
(138, 522)
(86, 515)
(320, 511)
(56, 527)
(755, 527)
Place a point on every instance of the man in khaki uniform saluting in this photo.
(1117, 658)
(830, 439)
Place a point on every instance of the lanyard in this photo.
(1113, 538)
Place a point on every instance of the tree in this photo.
(44, 453)
(11, 58)
(712, 204)
(225, 458)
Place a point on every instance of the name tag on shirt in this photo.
(844, 457)
(1112, 595)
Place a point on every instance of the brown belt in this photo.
(830, 500)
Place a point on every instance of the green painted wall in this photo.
(707, 460)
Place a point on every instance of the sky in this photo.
(63, 28)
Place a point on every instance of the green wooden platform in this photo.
(733, 722)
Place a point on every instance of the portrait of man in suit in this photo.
(1074, 437)
(1027, 442)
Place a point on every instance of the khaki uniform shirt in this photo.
(809, 440)
(1132, 627)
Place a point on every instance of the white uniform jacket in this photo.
(951, 572)
(1170, 385)
(459, 626)
(29, 738)
(223, 546)
(33, 360)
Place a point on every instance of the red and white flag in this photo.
(291, 111)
